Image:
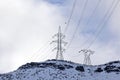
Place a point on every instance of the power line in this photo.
(72, 11)
(97, 5)
(85, 42)
(102, 26)
(44, 55)
(71, 14)
(92, 14)
(79, 22)
(34, 56)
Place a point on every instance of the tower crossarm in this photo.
(56, 35)
(62, 36)
(55, 41)
(63, 42)
(54, 49)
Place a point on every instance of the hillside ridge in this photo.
(64, 70)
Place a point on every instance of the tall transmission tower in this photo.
(60, 42)
(87, 54)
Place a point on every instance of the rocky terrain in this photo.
(64, 70)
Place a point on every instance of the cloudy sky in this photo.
(27, 27)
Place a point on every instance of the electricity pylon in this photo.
(87, 54)
(59, 41)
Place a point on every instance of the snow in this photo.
(64, 70)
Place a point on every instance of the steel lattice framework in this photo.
(87, 54)
(60, 42)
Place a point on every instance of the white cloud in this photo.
(26, 25)
(114, 22)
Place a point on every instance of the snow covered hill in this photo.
(64, 70)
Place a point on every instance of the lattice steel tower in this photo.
(60, 42)
(87, 54)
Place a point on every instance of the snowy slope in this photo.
(64, 70)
